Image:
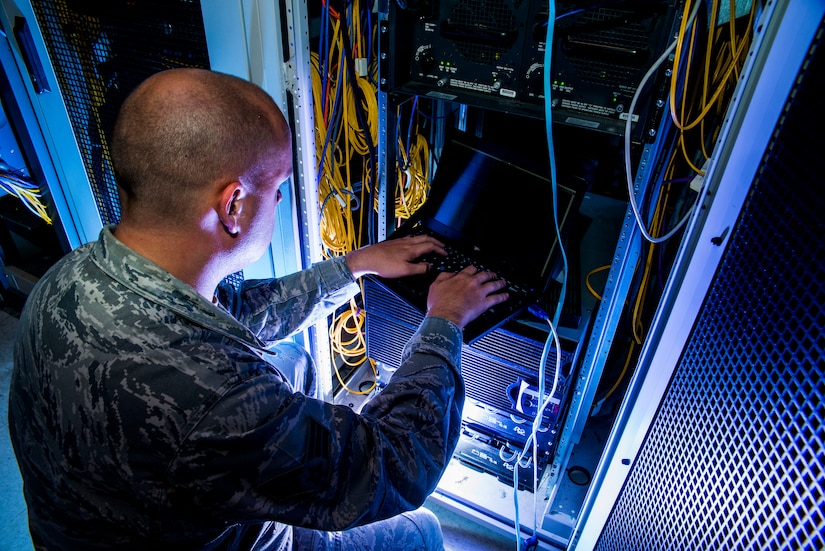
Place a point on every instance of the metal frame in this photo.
(299, 67)
(779, 46)
(49, 129)
(385, 147)
(620, 278)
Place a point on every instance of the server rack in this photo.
(37, 110)
(70, 63)
(571, 515)
(719, 443)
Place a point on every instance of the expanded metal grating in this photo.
(100, 51)
(734, 457)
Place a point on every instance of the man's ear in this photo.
(231, 204)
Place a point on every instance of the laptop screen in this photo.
(485, 199)
(493, 209)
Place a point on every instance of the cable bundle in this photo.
(21, 187)
(347, 340)
(697, 108)
(412, 165)
(345, 98)
(720, 62)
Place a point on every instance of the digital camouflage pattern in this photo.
(145, 417)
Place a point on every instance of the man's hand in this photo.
(394, 257)
(463, 296)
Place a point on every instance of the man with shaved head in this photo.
(154, 406)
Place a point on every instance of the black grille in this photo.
(493, 19)
(490, 365)
(100, 51)
(610, 27)
(734, 456)
(609, 47)
(597, 72)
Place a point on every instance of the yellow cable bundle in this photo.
(347, 336)
(347, 339)
(355, 140)
(334, 194)
(369, 95)
(340, 139)
(344, 112)
(29, 194)
(729, 57)
(413, 185)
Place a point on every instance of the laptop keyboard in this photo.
(414, 289)
(456, 260)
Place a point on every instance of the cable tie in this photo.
(530, 544)
(361, 67)
(699, 180)
(696, 183)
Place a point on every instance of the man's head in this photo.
(195, 148)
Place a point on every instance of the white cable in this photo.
(532, 440)
(630, 191)
(537, 421)
(548, 56)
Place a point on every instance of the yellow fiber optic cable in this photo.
(26, 192)
(592, 273)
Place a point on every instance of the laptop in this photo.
(493, 208)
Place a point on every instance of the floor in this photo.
(460, 534)
(14, 531)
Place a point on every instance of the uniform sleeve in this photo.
(304, 462)
(274, 309)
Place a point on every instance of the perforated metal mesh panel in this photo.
(734, 457)
(599, 26)
(100, 51)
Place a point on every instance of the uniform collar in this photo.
(152, 282)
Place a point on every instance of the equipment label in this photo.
(475, 86)
(588, 108)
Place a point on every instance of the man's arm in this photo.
(326, 466)
(264, 452)
(276, 308)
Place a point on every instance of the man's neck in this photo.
(183, 256)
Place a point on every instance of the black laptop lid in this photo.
(499, 204)
(496, 205)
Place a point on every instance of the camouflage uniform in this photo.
(143, 416)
